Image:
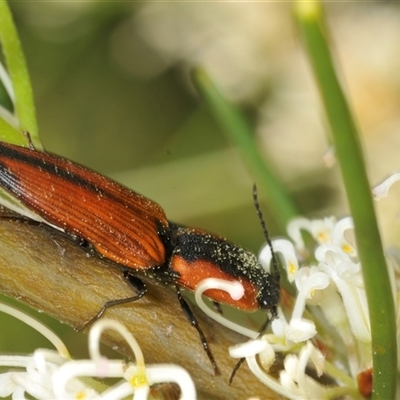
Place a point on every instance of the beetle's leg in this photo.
(193, 321)
(83, 243)
(30, 143)
(136, 283)
(236, 369)
(10, 215)
(262, 331)
(217, 307)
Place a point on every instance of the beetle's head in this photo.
(269, 294)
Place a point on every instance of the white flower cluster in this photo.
(49, 374)
(323, 323)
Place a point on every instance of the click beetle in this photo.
(132, 231)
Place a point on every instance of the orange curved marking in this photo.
(192, 273)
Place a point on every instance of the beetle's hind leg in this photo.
(193, 321)
(10, 215)
(136, 283)
(217, 307)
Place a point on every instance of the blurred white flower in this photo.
(48, 374)
(381, 190)
(287, 251)
(235, 42)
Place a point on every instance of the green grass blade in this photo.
(350, 158)
(16, 66)
(11, 135)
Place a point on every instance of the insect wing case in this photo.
(120, 224)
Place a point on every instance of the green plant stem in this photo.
(16, 66)
(10, 134)
(350, 158)
(239, 132)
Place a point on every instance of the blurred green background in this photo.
(150, 133)
(112, 89)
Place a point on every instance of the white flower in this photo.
(308, 280)
(330, 297)
(320, 229)
(50, 375)
(338, 235)
(294, 377)
(35, 377)
(286, 249)
(236, 291)
(382, 189)
(348, 279)
(293, 381)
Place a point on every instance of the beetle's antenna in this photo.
(275, 273)
(265, 231)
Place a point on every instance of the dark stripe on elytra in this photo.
(53, 169)
(11, 182)
(8, 179)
